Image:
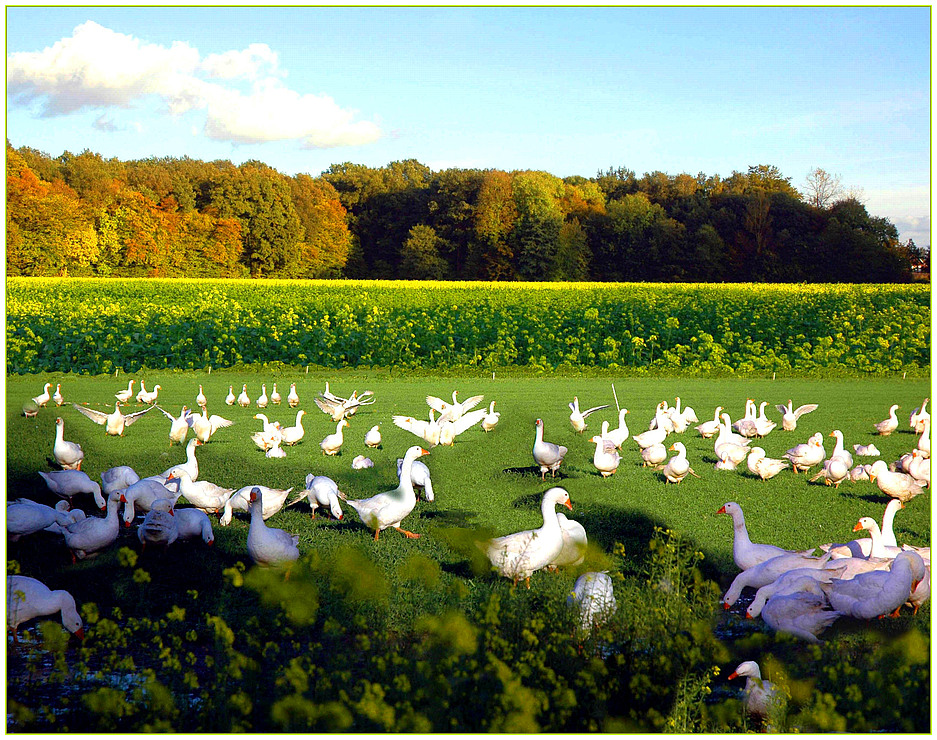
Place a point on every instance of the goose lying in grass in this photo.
(765, 467)
(28, 598)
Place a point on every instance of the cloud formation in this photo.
(241, 91)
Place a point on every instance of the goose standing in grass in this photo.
(449, 430)
(43, 398)
(267, 545)
(677, 467)
(275, 396)
(765, 467)
(619, 435)
(491, 418)
(117, 479)
(923, 443)
(835, 471)
(606, 457)
(654, 436)
(420, 477)
(294, 434)
(547, 455)
(521, 554)
(114, 423)
(57, 397)
(150, 396)
(200, 399)
(879, 592)
(178, 428)
(790, 415)
(28, 598)
(746, 553)
(453, 411)
(594, 596)
(747, 425)
(578, 418)
(158, 527)
(89, 536)
(761, 698)
(919, 468)
(726, 435)
(292, 398)
(653, 455)
(68, 455)
(332, 444)
(273, 501)
(142, 393)
(205, 426)
(66, 483)
(373, 436)
(731, 449)
(839, 450)
(805, 456)
(125, 395)
(202, 494)
(390, 508)
(887, 426)
(321, 491)
(710, 428)
(763, 425)
(270, 433)
(262, 399)
(916, 422)
(897, 485)
(243, 399)
(230, 399)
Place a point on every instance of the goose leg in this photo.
(376, 533)
(405, 533)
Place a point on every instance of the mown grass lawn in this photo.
(486, 484)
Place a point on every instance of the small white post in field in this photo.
(616, 397)
(307, 369)
(774, 375)
(492, 374)
(209, 369)
(904, 375)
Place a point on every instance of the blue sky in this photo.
(566, 90)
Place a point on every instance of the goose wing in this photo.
(467, 421)
(414, 426)
(805, 409)
(131, 418)
(98, 417)
(594, 408)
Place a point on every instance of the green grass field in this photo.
(487, 481)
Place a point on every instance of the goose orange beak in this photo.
(568, 505)
(857, 527)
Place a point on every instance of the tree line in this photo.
(87, 215)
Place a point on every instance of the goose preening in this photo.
(804, 614)
(332, 443)
(594, 596)
(887, 426)
(118, 478)
(517, 556)
(68, 455)
(765, 467)
(452, 411)
(273, 500)
(66, 483)
(798, 580)
(491, 418)
(606, 457)
(321, 491)
(790, 415)
(805, 456)
(115, 422)
(390, 508)
(746, 553)
(547, 455)
(192, 523)
(43, 398)
(897, 485)
(577, 417)
(125, 395)
(28, 598)
(25, 517)
(761, 698)
(419, 476)
(267, 545)
(878, 592)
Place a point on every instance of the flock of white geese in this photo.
(797, 592)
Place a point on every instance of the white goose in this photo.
(763, 425)
(91, 535)
(428, 431)
(43, 398)
(839, 450)
(620, 435)
(202, 494)
(118, 478)
(710, 428)
(887, 426)
(159, 526)
(449, 430)
(419, 476)
(606, 457)
(726, 435)
(57, 397)
(653, 455)
(916, 422)
(292, 398)
(68, 455)
(878, 592)
(275, 396)
(919, 468)
(863, 547)
(230, 399)
(66, 483)
(866, 450)
(769, 571)
(923, 443)
(677, 467)
(191, 523)
(519, 555)
(205, 426)
(595, 598)
(730, 447)
(140, 497)
(747, 425)
(142, 393)
(578, 418)
(803, 613)
(760, 698)
(452, 411)
(190, 465)
(805, 456)
(678, 417)
(243, 399)
(790, 415)
(654, 436)
(273, 500)
(25, 517)
(200, 399)
(373, 436)
(794, 581)
(835, 471)
(178, 428)
(149, 397)
(126, 395)
(263, 399)
(266, 545)
(575, 542)
(321, 491)
(547, 455)
(765, 467)
(115, 422)
(332, 443)
(28, 598)
(746, 553)
(291, 435)
(897, 485)
(491, 418)
(389, 509)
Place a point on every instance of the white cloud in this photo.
(907, 207)
(97, 68)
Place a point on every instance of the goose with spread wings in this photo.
(114, 422)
